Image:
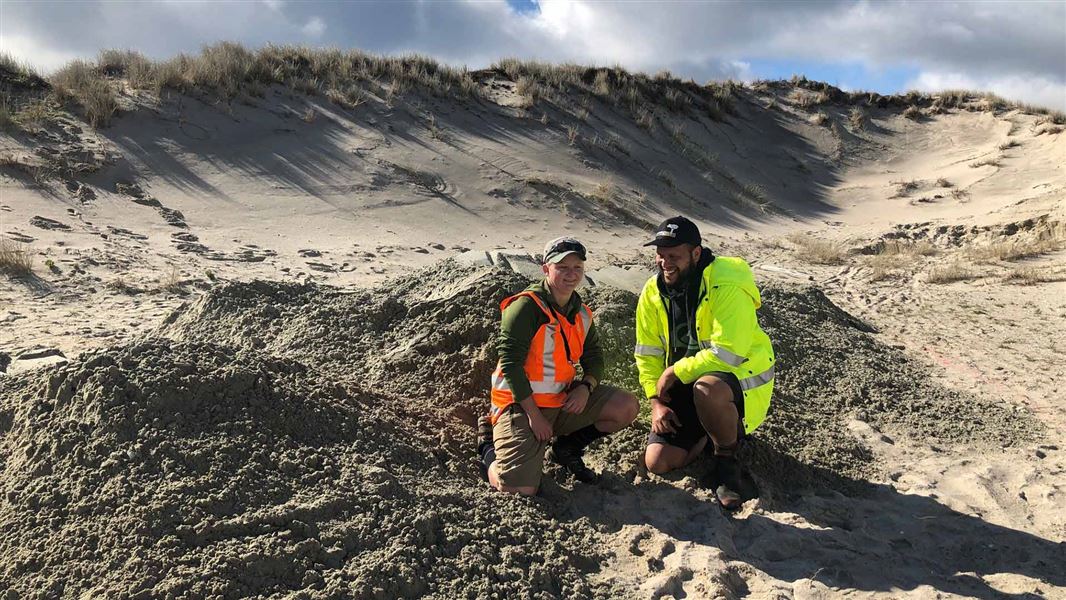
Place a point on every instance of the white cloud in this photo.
(32, 52)
(1033, 89)
(1020, 47)
(315, 27)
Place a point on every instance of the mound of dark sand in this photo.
(301, 441)
(200, 471)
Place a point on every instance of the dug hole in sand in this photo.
(301, 441)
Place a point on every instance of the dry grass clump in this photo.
(819, 119)
(913, 113)
(1009, 250)
(991, 161)
(857, 117)
(905, 187)
(1050, 123)
(951, 272)
(605, 192)
(227, 69)
(822, 252)
(85, 84)
(15, 258)
(33, 116)
(620, 88)
(960, 195)
(895, 255)
(944, 183)
(908, 248)
(7, 116)
(1033, 276)
(1009, 145)
(806, 99)
(572, 134)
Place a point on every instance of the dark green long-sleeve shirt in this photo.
(521, 320)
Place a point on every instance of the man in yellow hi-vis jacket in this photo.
(704, 363)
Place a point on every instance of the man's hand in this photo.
(542, 429)
(577, 399)
(663, 418)
(666, 381)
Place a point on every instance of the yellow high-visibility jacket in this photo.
(728, 332)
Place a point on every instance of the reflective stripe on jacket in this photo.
(553, 353)
(728, 331)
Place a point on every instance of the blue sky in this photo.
(1016, 49)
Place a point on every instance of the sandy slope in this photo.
(356, 196)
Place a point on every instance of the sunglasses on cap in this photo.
(564, 247)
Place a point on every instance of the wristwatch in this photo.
(582, 382)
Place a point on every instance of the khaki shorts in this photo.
(519, 456)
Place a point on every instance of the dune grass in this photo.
(818, 251)
(15, 258)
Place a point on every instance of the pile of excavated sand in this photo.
(199, 471)
(293, 438)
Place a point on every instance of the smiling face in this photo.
(676, 262)
(564, 276)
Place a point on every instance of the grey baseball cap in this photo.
(559, 248)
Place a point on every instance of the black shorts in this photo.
(681, 401)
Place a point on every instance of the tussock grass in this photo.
(1010, 250)
(903, 188)
(819, 119)
(913, 113)
(572, 134)
(1033, 276)
(992, 161)
(33, 116)
(7, 115)
(15, 258)
(951, 272)
(944, 183)
(857, 117)
(1009, 145)
(822, 252)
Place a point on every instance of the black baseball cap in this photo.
(676, 231)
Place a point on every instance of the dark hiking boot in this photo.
(572, 459)
(484, 444)
(732, 484)
(484, 433)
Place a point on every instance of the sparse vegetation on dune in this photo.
(951, 272)
(1009, 250)
(15, 258)
(348, 77)
(818, 251)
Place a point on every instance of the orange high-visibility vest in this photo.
(548, 366)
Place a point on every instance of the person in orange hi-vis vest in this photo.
(545, 334)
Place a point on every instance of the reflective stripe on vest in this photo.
(733, 360)
(750, 383)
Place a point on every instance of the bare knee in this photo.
(657, 461)
(712, 392)
(628, 407)
(620, 411)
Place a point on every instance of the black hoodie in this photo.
(681, 301)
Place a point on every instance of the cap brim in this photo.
(665, 242)
(557, 257)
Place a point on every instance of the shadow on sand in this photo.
(867, 536)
